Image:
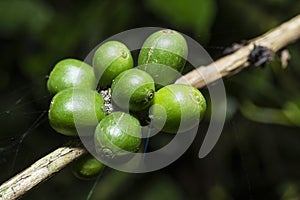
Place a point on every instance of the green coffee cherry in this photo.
(73, 109)
(117, 134)
(109, 60)
(70, 73)
(133, 89)
(161, 74)
(163, 52)
(86, 167)
(177, 106)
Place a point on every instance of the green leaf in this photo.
(197, 15)
(292, 112)
(264, 115)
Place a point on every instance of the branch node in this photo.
(260, 55)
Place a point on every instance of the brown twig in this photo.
(41, 170)
(275, 40)
(227, 65)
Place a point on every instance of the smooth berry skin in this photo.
(69, 73)
(87, 167)
(133, 90)
(164, 51)
(111, 59)
(177, 108)
(73, 109)
(117, 134)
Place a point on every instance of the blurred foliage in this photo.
(257, 156)
(194, 15)
(18, 16)
(290, 191)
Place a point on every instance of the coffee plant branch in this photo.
(231, 64)
(41, 170)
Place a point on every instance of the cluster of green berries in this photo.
(147, 88)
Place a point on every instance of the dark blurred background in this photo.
(258, 153)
